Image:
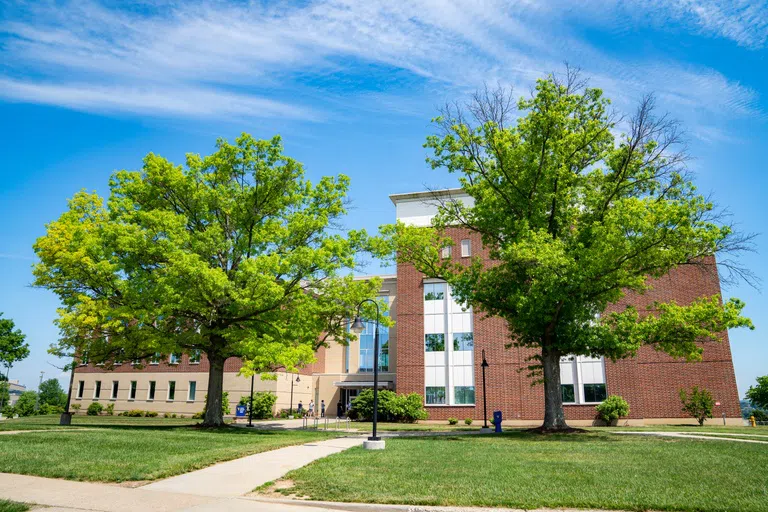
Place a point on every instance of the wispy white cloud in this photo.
(259, 60)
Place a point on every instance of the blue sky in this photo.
(87, 88)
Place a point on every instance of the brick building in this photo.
(434, 350)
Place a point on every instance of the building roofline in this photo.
(427, 194)
(383, 276)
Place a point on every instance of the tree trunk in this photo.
(213, 414)
(554, 417)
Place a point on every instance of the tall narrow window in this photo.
(80, 388)
(366, 339)
(445, 252)
(192, 391)
(115, 385)
(97, 389)
(171, 390)
(151, 390)
(582, 380)
(466, 248)
(132, 395)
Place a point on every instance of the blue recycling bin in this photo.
(240, 411)
(497, 420)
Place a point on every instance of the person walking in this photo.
(300, 409)
(322, 408)
(311, 410)
(339, 409)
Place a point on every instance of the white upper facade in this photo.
(418, 208)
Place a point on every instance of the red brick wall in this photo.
(649, 382)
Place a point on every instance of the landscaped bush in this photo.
(25, 405)
(46, 409)
(453, 421)
(698, 404)
(150, 414)
(110, 409)
(392, 407)
(134, 413)
(198, 415)
(468, 421)
(75, 408)
(8, 411)
(95, 409)
(760, 415)
(166, 415)
(263, 402)
(612, 408)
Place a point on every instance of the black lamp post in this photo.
(358, 327)
(297, 380)
(484, 365)
(250, 407)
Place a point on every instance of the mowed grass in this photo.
(114, 453)
(12, 506)
(523, 470)
(52, 422)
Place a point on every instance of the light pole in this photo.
(290, 413)
(374, 442)
(250, 407)
(484, 365)
(37, 398)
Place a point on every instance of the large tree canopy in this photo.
(13, 347)
(232, 255)
(574, 216)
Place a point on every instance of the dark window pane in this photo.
(568, 393)
(464, 395)
(435, 395)
(434, 342)
(594, 392)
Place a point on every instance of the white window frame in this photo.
(191, 398)
(132, 389)
(172, 359)
(168, 392)
(115, 390)
(199, 356)
(95, 387)
(149, 390)
(466, 248)
(155, 359)
(446, 252)
(578, 385)
(450, 398)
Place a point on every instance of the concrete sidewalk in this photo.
(240, 476)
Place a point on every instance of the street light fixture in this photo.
(374, 442)
(291, 408)
(484, 365)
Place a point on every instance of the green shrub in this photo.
(166, 415)
(263, 403)
(198, 415)
(453, 421)
(46, 409)
(75, 408)
(8, 411)
(95, 409)
(760, 415)
(25, 405)
(173, 415)
(150, 414)
(698, 404)
(468, 421)
(392, 407)
(110, 409)
(612, 408)
(134, 413)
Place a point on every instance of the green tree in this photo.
(699, 404)
(25, 405)
(51, 393)
(5, 394)
(234, 254)
(758, 395)
(13, 348)
(573, 217)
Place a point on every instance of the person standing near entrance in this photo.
(311, 410)
(300, 409)
(339, 409)
(322, 408)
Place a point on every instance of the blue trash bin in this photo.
(497, 420)
(240, 411)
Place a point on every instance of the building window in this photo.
(366, 339)
(174, 359)
(171, 390)
(80, 388)
(466, 248)
(151, 390)
(132, 395)
(463, 341)
(155, 358)
(194, 357)
(434, 291)
(84, 359)
(192, 391)
(97, 390)
(445, 252)
(435, 395)
(136, 362)
(582, 380)
(434, 342)
(464, 395)
(115, 385)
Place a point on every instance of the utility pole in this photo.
(37, 398)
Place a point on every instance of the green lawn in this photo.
(522, 470)
(12, 506)
(82, 420)
(141, 451)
